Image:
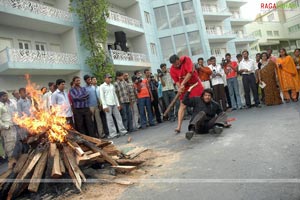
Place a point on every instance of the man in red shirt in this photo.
(231, 68)
(184, 75)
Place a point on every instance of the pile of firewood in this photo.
(51, 160)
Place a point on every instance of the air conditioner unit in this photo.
(298, 43)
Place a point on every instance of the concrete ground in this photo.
(258, 158)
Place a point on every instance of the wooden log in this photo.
(111, 150)
(4, 176)
(124, 169)
(135, 152)
(56, 172)
(75, 147)
(62, 165)
(86, 137)
(38, 173)
(80, 159)
(103, 144)
(50, 160)
(21, 162)
(103, 153)
(129, 162)
(171, 105)
(17, 187)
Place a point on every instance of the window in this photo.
(24, 44)
(257, 33)
(166, 47)
(40, 46)
(147, 17)
(153, 48)
(195, 44)
(276, 33)
(269, 33)
(161, 18)
(218, 52)
(271, 17)
(294, 28)
(174, 15)
(5, 43)
(181, 45)
(188, 12)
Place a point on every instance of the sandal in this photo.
(287, 100)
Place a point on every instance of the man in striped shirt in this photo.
(82, 113)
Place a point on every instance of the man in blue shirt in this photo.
(94, 104)
(82, 113)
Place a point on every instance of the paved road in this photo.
(254, 156)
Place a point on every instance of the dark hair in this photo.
(60, 81)
(297, 49)
(264, 53)
(173, 58)
(71, 83)
(245, 51)
(163, 65)
(200, 59)
(50, 84)
(41, 89)
(93, 77)
(86, 77)
(136, 72)
(74, 78)
(227, 54)
(258, 54)
(283, 49)
(22, 89)
(212, 58)
(269, 49)
(146, 70)
(208, 90)
(2, 93)
(208, 60)
(118, 74)
(239, 55)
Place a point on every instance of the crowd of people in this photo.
(117, 108)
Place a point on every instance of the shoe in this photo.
(227, 125)
(112, 137)
(258, 106)
(233, 109)
(177, 131)
(216, 130)
(123, 133)
(247, 107)
(152, 125)
(189, 135)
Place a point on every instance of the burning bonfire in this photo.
(56, 149)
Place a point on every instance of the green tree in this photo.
(92, 15)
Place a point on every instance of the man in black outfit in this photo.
(207, 114)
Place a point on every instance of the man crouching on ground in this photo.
(207, 114)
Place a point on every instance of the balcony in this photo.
(215, 13)
(21, 61)
(116, 22)
(129, 60)
(35, 16)
(235, 3)
(244, 39)
(219, 35)
(236, 20)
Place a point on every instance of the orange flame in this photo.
(42, 121)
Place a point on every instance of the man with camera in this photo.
(218, 83)
(204, 73)
(144, 98)
(231, 68)
(167, 88)
(184, 75)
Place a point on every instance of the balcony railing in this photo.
(124, 19)
(37, 8)
(219, 32)
(214, 9)
(38, 57)
(128, 56)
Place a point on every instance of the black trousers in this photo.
(202, 124)
(249, 82)
(83, 121)
(220, 96)
(154, 105)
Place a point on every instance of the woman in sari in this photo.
(267, 74)
(297, 63)
(288, 76)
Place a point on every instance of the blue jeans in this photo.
(142, 103)
(234, 93)
(127, 116)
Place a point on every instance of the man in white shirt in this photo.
(111, 106)
(60, 102)
(217, 81)
(47, 96)
(247, 68)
